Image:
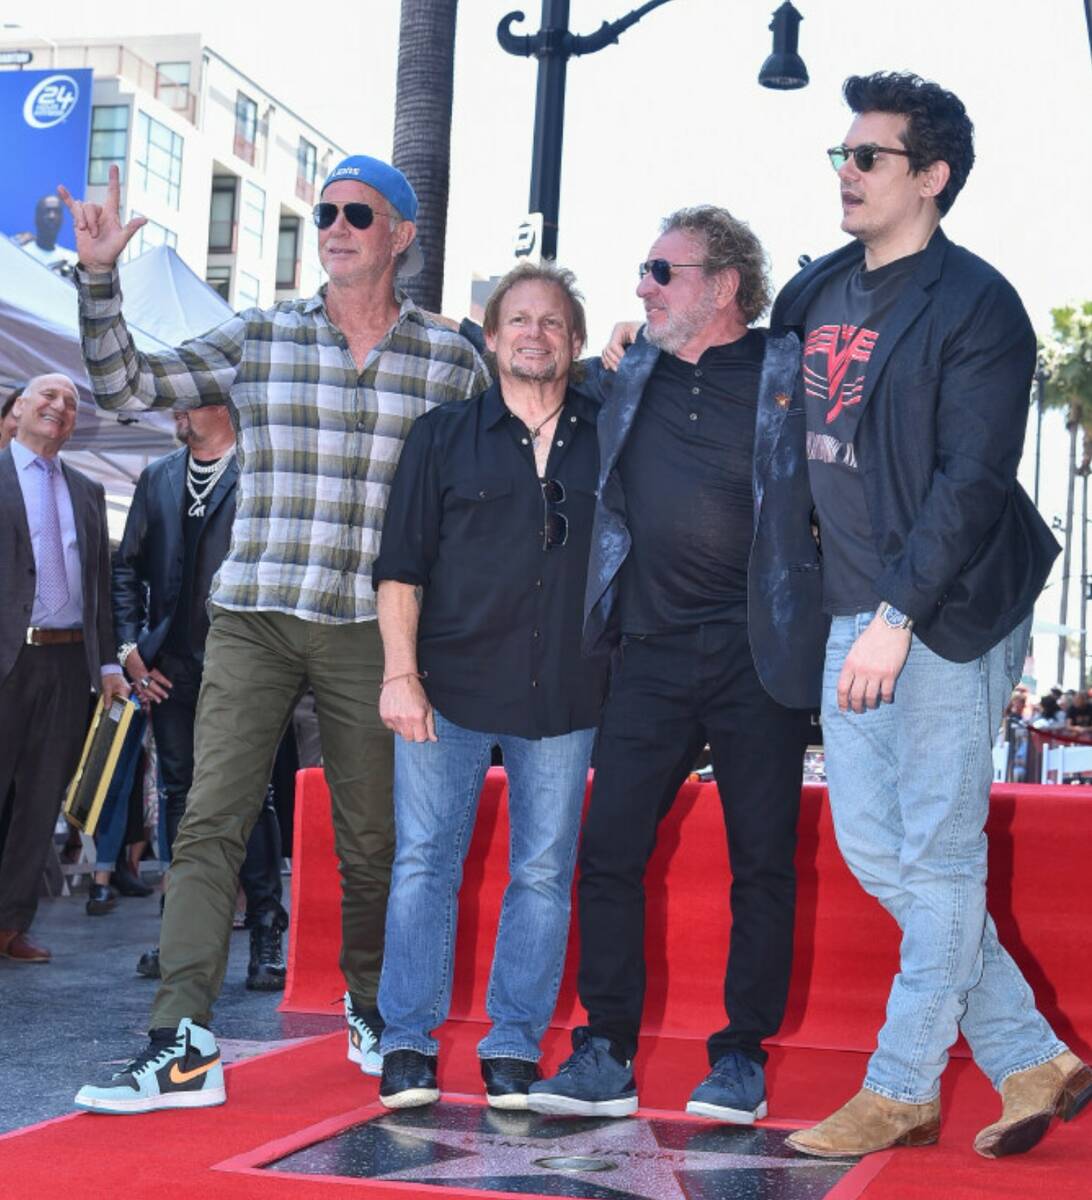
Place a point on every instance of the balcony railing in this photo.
(244, 148)
(117, 60)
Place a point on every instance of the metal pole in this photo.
(553, 59)
(1040, 381)
(1084, 580)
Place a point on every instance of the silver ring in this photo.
(145, 681)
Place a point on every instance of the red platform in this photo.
(846, 945)
(1041, 857)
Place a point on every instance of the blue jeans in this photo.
(436, 787)
(909, 792)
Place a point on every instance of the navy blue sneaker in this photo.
(591, 1082)
(734, 1091)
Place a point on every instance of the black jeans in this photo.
(173, 724)
(670, 694)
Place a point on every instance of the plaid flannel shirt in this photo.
(318, 440)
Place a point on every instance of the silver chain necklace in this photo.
(202, 478)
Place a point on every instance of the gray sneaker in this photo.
(591, 1082)
(734, 1091)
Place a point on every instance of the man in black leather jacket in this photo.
(176, 535)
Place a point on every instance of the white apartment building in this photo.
(225, 173)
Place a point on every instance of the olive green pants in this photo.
(257, 665)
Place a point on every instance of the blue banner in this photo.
(45, 128)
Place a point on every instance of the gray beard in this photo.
(541, 374)
(682, 326)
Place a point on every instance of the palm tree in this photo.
(422, 130)
(1068, 358)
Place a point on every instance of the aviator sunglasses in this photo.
(864, 156)
(359, 215)
(555, 530)
(660, 269)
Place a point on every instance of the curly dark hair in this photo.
(937, 126)
(729, 242)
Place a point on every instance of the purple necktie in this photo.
(52, 577)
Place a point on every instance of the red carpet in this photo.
(1041, 843)
(846, 946)
(163, 1156)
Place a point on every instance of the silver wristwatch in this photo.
(892, 618)
(124, 651)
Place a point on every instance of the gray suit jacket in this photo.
(17, 578)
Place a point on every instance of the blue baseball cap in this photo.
(388, 181)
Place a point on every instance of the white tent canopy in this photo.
(165, 303)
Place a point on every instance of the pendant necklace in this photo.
(202, 478)
(535, 430)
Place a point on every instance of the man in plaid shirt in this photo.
(324, 393)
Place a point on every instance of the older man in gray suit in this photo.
(56, 638)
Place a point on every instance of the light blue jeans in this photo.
(909, 792)
(436, 787)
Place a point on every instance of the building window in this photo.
(222, 215)
(109, 135)
(158, 160)
(306, 162)
(252, 219)
(246, 127)
(288, 253)
(172, 84)
(150, 235)
(219, 279)
(247, 291)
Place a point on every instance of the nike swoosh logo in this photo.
(179, 1076)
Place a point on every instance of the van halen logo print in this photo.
(834, 365)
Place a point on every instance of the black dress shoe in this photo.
(409, 1079)
(101, 899)
(129, 884)
(507, 1081)
(148, 964)
(267, 969)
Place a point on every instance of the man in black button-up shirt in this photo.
(480, 581)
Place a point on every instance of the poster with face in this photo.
(45, 117)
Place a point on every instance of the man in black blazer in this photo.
(917, 364)
(56, 638)
(176, 535)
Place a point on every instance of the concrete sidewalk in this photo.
(78, 1018)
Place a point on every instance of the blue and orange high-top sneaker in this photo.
(179, 1068)
(364, 1034)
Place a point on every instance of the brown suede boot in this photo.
(1030, 1099)
(867, 1123)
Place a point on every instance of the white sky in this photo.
(673, 115)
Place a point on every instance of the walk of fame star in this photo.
(471, 1146)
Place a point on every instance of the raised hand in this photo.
(100, 235)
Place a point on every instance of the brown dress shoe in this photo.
(19, 947)
(1030, 1099)
(867, 1123)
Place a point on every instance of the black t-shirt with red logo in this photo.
(844, 324)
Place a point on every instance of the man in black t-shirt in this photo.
(917, 362)
(698, 439)
(176, 535)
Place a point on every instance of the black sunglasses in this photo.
(359, 216)
(660, 269)
(555, 529)
(864, 156)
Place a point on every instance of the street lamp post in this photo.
(553, 45)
